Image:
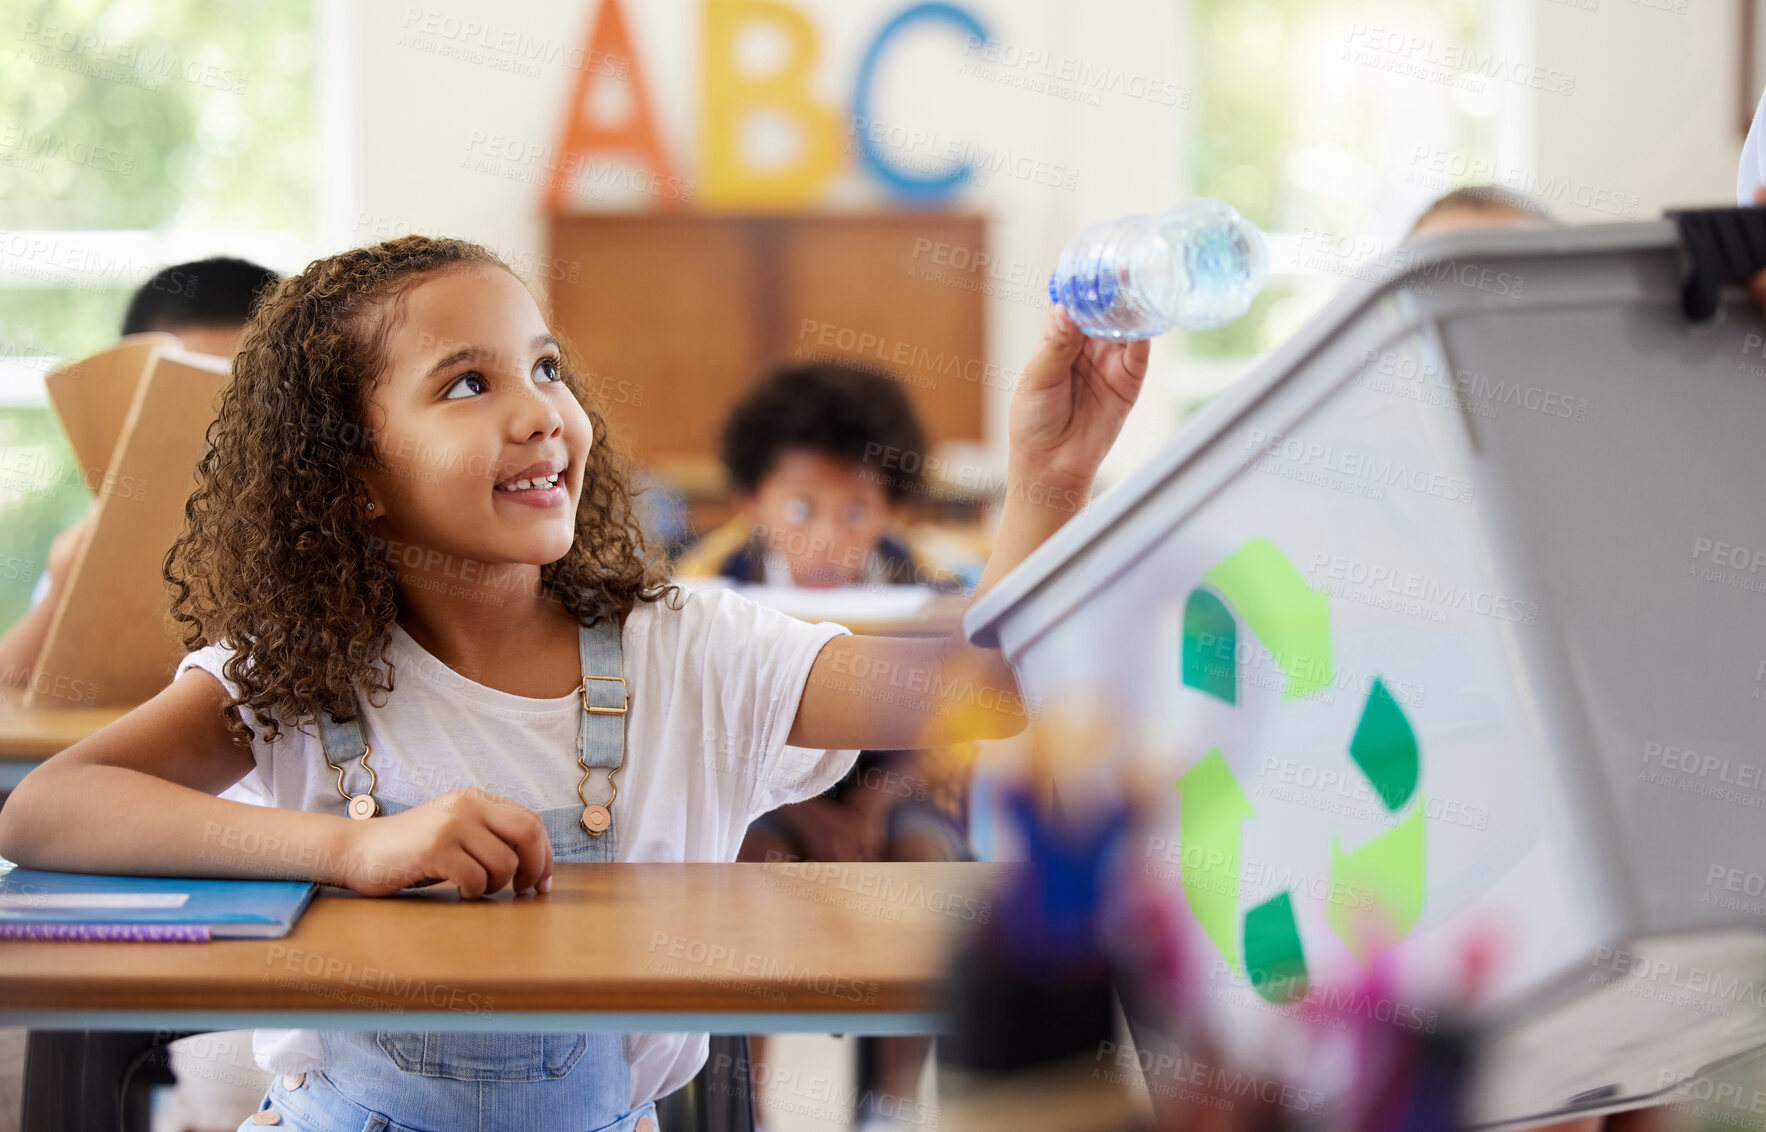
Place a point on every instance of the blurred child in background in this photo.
(205, 303)
(1481, 206)
(814, 456)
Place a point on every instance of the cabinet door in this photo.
(674, 317)
(885, 291)
(664, 313)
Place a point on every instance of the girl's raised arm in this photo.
(886, 693)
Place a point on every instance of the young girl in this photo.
(428, 629)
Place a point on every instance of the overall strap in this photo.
(600, 744)
(601, 739)
(342, 741)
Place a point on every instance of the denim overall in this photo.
(440, 1081)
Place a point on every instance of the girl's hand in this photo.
(1071, 402)
(468, 837)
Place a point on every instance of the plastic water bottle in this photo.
(1197, 266)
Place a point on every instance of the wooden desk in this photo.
(736, 948)
(28, 735)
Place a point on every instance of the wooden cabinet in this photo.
(674, 316)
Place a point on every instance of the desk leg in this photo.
(93, 1080)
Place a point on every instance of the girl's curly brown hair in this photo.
(278, 559)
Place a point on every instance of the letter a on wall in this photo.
(608, 58)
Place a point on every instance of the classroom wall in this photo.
(1653, 111)
(1650, 123)
(446, 168)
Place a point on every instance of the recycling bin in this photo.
(1447, 625)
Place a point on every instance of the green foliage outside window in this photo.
(135, 115)
(1300, 127)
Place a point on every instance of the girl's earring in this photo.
(370, 506)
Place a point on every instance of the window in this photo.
(1331, 125)
(133, 135)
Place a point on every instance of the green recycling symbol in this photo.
(1292, 621)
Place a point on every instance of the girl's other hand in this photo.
(469, 837)
(1071, 402)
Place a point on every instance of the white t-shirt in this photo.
(714, 686)
(1752, 172)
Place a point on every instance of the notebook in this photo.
(47, 905)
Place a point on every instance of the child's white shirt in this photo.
(1751, 173)
(715, 687)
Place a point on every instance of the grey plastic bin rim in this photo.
(981, 623)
